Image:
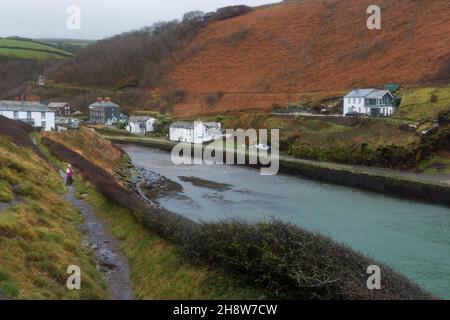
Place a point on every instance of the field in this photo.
(69, 45)
(424, 104)
(29, 49)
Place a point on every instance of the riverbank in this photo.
(281, 259)
(423, 187)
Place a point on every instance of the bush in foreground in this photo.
(290, 262)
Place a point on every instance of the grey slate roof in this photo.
(367, 93)
(214, 125)
(104, 104)
(359, 93)
(139, 118)
(183, 124)
(57, 104)
(378, 94)
(23, 106)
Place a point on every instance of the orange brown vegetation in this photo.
(90, 145)
(272, 55)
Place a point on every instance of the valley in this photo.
(358, 143)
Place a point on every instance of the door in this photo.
(374, 112)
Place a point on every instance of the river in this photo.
(410, 236)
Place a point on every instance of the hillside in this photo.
(39, 230)
(22, 61)
(70, 45)
(283, 53)
(42, 233)
(313, 47)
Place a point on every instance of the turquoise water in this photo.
(411, 237)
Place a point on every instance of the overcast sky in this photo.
(99, 18)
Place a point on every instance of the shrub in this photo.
(173, 96)
(162, 125)
(227, 13)
(290, 262)
(433, 98)
(444, 117)
(276, 107)
(6, 194)
(237, 36)
(316, 106)
(214, 98)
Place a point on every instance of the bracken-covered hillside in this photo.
(244, 58)
(314, 46)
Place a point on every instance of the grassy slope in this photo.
(326, 141)
(94, 148)
(69, 45)
(416, 103)
(30, 50)
(158, 271)
(39, 236)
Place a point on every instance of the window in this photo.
(28, 114)
(43, 115)
(43, 124)
(16, 114)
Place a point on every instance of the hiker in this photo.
(69, 176)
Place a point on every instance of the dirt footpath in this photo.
(113, 264)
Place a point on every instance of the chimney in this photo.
(107, 99)
(99, 99)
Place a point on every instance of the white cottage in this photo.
(33, 113)
(141, 125)
(372, 102)
(195, 132)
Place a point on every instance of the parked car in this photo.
(352, 114)
(262, 147)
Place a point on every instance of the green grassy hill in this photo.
(30, 49)
(69, 45)
(424, 104)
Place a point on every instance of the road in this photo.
(442, 178)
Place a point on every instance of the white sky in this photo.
(99, 18)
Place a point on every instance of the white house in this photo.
(141, 125)
(372, 102)
(195, 132)
(33, 113)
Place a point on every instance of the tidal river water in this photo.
(411, 237)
